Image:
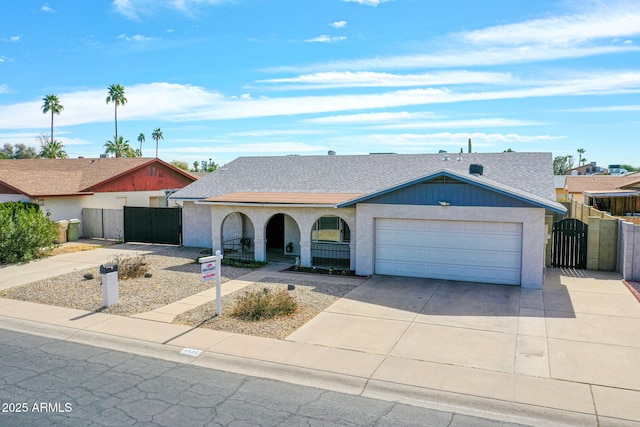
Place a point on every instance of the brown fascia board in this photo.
(19, 191)
(143, 165)
(83, 193)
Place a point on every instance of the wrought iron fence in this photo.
(240, 249)
(334, 255)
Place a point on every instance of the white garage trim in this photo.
(489, 252)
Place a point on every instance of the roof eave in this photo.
(266, 204)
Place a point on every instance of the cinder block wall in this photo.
(602, 244)
(629, 251)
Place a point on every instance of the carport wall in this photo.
(303, 216)
(532, 220)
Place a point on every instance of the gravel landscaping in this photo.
(312, 296)
(175, 275)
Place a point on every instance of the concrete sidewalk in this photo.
(566, 355)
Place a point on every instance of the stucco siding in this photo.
(196, 225)
(532, 220)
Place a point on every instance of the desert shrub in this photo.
(130, 267)
(264, 304)
(25, 233)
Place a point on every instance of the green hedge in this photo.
(25, 233)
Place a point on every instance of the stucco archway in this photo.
(282, 238)
(331, 242)
(237, 237)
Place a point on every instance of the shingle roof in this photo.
(57, 177)
(580, 183)
(365, 174)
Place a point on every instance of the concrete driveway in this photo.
(582, 329)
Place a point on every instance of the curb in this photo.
(483, 407)
(632, 289)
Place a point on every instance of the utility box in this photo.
(74, 230)
(109, 274)
(62, 231)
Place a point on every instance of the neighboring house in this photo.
(63, 187)
(422, 215)
(560, 182)
(587, 169)
(617, 194)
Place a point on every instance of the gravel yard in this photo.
(174, 276)
(312, 296)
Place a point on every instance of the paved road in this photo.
(53, 382)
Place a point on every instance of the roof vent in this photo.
(475, 169)
(331, 153)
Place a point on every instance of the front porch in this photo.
(311, 237)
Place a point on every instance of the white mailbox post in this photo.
(211, 268)
(109, 273)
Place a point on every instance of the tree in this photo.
(196, 167)
(581, 151)
(631, 168)
(51, 103)
(51, 149)
(141, 139)
(180, 165)
(119, 147)
(508, 150)
(561, 164)
(157, 136)
(19, 151)
(209, 166)
(116, 95)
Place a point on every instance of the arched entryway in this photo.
(330, 243)
(237, 236)
(282, 238)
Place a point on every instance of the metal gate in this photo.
(569, 244)
(153, 225)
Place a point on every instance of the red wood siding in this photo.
(7, 190)
(148, 178)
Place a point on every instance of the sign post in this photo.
(211, 268)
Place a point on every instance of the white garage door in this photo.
(489, 252)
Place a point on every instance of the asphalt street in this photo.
(45, 381)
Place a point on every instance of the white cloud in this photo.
(339, 24)
(132, 9)
(325, 39)
(627, 42)
(277, 132)
(366, 118)
(374, 79)
(4, 88)
(603, 109)
(137, 38)
(185, 103)
(15, 38)
(373, 3)
(571, 36)
(469, 123)
(46, 8)
(271, 147)
(2, 59)
(616, 19)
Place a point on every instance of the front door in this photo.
(275, 232)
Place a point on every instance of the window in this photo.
(331, 229)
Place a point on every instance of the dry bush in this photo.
(264, 304)
(130, 267)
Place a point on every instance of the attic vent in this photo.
(475, 169)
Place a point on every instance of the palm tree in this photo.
(51, 104)
(157, 136)
(141, 139)
(52, 150)
(580, 151)
(116, 95)
(119, 147)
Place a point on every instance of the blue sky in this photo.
(233, 78)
